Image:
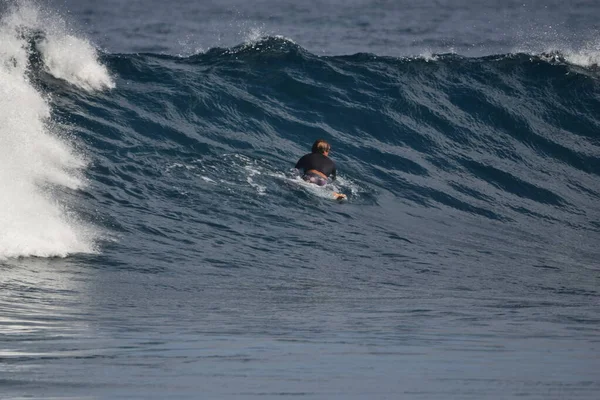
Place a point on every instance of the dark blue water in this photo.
(155, 241)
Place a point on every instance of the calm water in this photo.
(155, 241)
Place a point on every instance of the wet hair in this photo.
(320, 146)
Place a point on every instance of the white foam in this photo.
(260, 189)
(325, 192)
(553, 47)
(34, 160)
(74, 60)
(347, 184)
(428, 56)
(254, 35)
(586, 57)
(64, 55)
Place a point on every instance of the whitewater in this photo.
(155, 240)
(36, 154)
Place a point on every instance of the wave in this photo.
(486, 135)
(508, 138)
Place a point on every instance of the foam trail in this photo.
(33, 158)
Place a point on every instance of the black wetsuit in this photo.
(318, 162)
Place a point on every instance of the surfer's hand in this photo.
(339, 196)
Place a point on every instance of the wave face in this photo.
(510, 140)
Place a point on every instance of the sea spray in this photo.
(34, 156)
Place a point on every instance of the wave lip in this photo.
(80, 67)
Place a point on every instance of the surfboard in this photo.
(319, 191)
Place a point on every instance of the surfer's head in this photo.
(321, 146)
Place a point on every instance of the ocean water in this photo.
(155, 241)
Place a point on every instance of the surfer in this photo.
(318, 167)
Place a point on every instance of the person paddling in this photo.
(318, 167)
